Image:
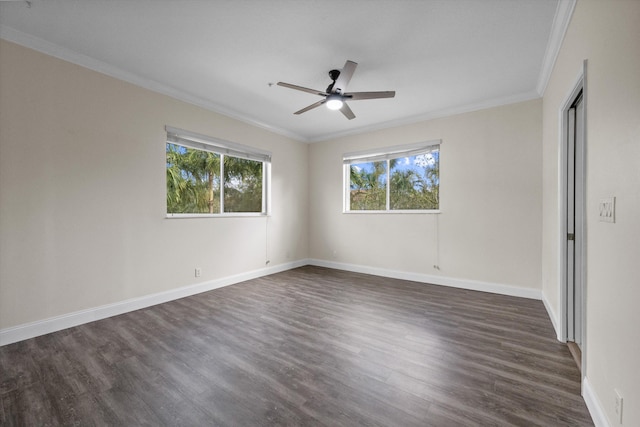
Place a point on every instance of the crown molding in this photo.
(57, 51)
(447, 112)
(561, 20)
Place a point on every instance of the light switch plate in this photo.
(619, 407)
(607, 209)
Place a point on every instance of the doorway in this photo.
(573, 220)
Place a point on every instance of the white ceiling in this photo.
(440, 56)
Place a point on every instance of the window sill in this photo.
(222, 215)
(406, 211)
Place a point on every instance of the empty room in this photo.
(320, 213)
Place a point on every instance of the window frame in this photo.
(223, 148)
(384, 154)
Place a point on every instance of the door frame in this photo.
(580, 213)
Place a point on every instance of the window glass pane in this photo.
(415, 181)
(368, 186)
(242, 185)
(193, 180)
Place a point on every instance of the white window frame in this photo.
(223, 148)
(386, 154)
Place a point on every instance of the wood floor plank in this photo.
(307, 347)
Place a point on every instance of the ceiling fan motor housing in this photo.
(333, 74)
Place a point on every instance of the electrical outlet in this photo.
(607, 210)
(198, 272)
(619, 402)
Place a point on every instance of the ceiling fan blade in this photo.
(311, 107)
(370, 95)
(345, 77)
(347, 111)
(303, 89)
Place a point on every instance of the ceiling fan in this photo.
(336, 96)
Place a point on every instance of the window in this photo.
(403, 178)
(207, 176)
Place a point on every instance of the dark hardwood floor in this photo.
(310, 346)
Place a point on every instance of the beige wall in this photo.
(82, 196)
(490, 201)
(82, 193)
(607, 34)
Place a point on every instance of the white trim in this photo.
(266, 185)
(446, 112)
(593, 405)
(51, 49)
(561, 20)
(398, 211)
(579, 84)
(58, 323)
(553, 318)
(53, 324)
(583, 243)
(57, 51)
(562, 227)
(216, 215)
(474, 285)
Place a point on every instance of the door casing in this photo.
(580, 229)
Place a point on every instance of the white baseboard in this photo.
(553, 318)
(58, 323)
(45, 326)
(473, 285)
(593, 405)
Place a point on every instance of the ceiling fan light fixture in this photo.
(334, 102)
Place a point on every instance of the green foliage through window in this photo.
(242, 185)
(368, 186)
(194, 183)
(410, 182)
